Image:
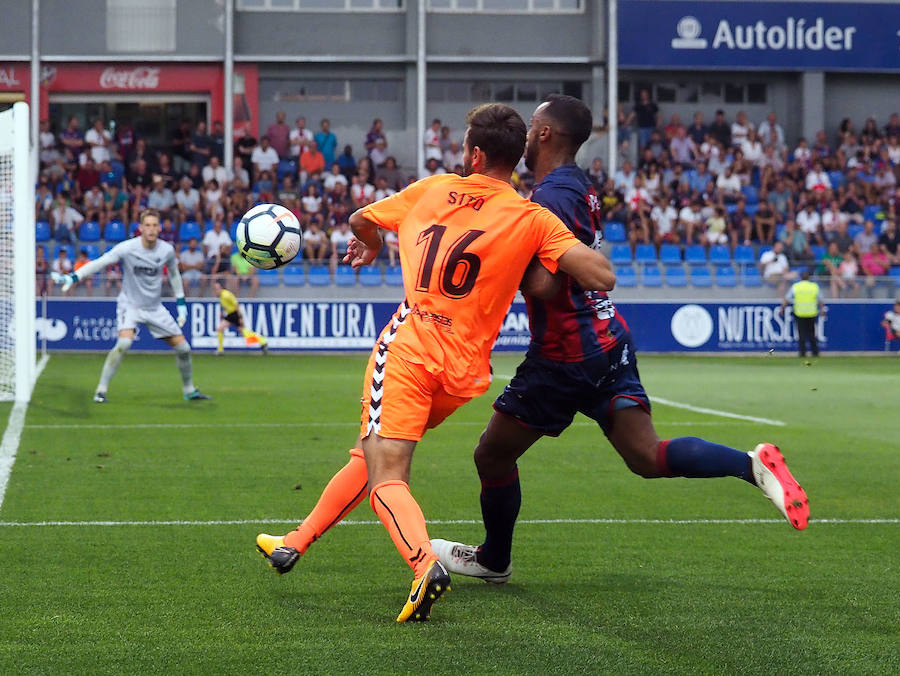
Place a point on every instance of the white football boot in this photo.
(462, 559)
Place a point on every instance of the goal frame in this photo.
(14, 133)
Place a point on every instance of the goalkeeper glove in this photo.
(67, 280)
(181, 308)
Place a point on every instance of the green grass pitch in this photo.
(659, 587)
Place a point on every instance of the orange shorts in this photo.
(401, 400)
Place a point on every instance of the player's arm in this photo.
(90, 268)
(177, 289)
(591, 269)
(366, 242)
(539, 282)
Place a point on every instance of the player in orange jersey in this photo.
(465, 243)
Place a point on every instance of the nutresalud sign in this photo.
(759, 35)
(339, 325)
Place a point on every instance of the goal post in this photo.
(17, 282)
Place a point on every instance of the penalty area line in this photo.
(697, 409)
(441, 522)
(9, 445)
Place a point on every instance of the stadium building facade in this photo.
(351, 61)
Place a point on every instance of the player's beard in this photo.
(467, 166)
(530, 156)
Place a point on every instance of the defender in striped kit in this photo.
(582, 359)
(465, 243)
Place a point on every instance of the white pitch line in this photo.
(441, 522)
(696, 409)
(451, 423)
(721, 414)
(9, 446)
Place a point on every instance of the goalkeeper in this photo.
(143, 260)
(232, 316)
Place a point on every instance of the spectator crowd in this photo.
(92, 186)
(829, 202)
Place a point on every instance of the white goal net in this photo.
(17, 305)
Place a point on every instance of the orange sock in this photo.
(345, 491)
(403, 518)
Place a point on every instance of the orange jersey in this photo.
(464, 245)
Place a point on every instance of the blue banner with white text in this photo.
(761, 35)
(327, 325)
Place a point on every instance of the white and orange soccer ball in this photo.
(268, 236)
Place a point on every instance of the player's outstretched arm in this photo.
(86, 270)
(589, 268)
(364, 249)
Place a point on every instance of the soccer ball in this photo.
(268, 236)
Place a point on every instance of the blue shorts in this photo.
(545, 395)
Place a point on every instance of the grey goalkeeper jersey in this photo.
(142, 271)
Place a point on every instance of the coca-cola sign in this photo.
(142, 77)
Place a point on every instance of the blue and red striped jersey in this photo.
(576, 324)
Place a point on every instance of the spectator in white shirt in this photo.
(264, 157)
(300, 137)
(689, 218)
(729, 186)
(239, 176)
(64, 218)
(339, 240)
(739, 129)
(214, 170)
(453, 156)
(664, 217)
(771, 133)
(334, 177)
(810, 223)
(817, 179)
(98, 140)
(752, 148)
(379, 153)
(49, 153)
(214, 239)
(432, 141)
(775, 267)
(624, 178)
(381, 188)
(802, 152)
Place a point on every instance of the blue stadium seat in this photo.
(89, 231)
(41, 231)
(744, 254)
(750, 194)
(762, 250)
(233, 230)
(393, 276)
(752, 209)
(719, 254)
(854, 230)
(114, 231)
(725, 276)
(345, 276)
(675, 276)
(620, 253)
(286, 168)
(207, 225)
(873, 212)
(294, 275)
(818, 251)
(626, 276)
(645, 253)
(70, 251)
(895, 271)
(701, 277)
(670, 254)
(651, 276)
(836, 178)
(730, 208)
(189, 230)
(695, 254)
(318, 275)
(93, 251)
(614, 231)
(750, 277)
(134, 228)
(370, 275)
(272, 277)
